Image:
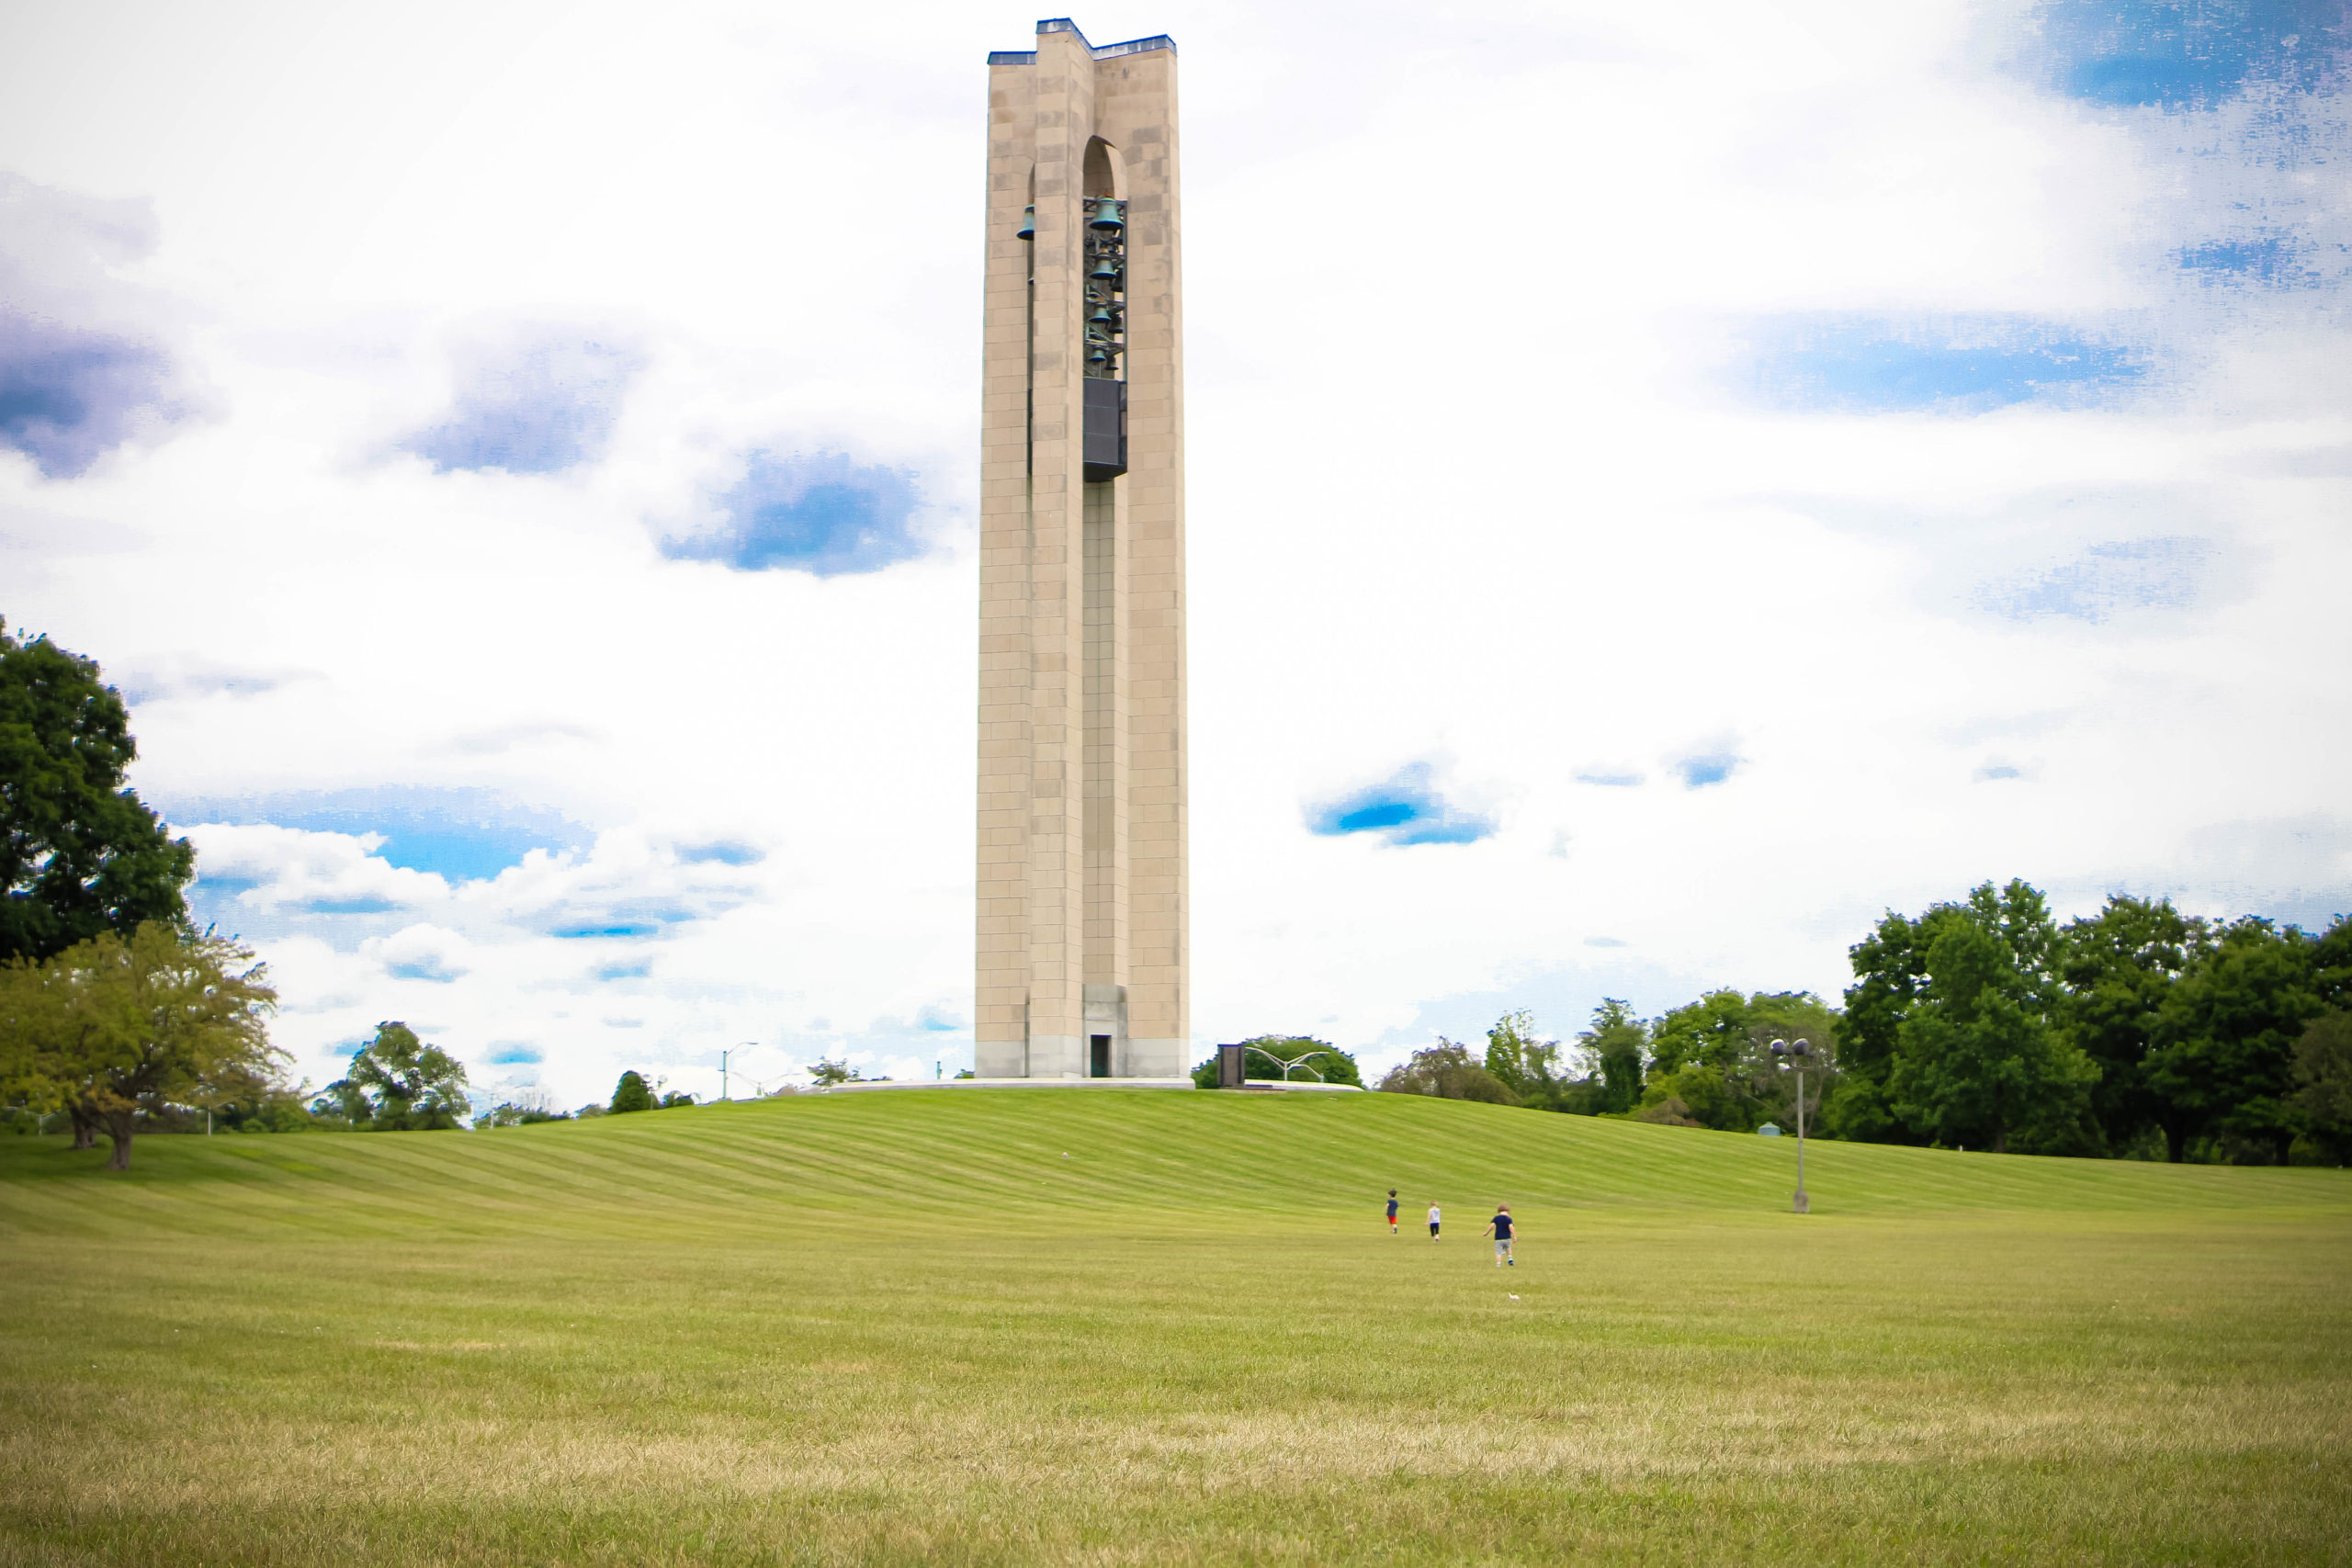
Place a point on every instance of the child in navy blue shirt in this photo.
(1500, 1228)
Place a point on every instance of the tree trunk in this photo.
(2285, 1144)
(2001, 1138)
(119, 1133)
(86, 1127)
(2176, 1143)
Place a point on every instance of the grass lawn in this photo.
(1106, 1327)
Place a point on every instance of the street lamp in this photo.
(1796, 1056)
(740, 1045)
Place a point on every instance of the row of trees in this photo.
(399, 1084)
(632, 1093)
(2136, 1031)
(1983, 1022)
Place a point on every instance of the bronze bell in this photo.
(1105, 270)
(1028, 229)
(1108, 215)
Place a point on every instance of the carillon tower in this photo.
(1083, 902)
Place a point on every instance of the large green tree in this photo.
(2118, 967)
(113, 1029)
(2332, 965)
(1709, 1032)
(1711, 1063)
(1612, 1049)
(2323, 1084)
(79, 853)
(1890, 977)
(399, 1084)
(2223, 1047)
(1523, 1061)
(1950, 1033)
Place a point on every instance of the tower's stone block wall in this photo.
(1083, 908)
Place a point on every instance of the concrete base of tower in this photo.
(1057, 1056)
(1158, 1059)
(1063, 1056)
(1001, 1058)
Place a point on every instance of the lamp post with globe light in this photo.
(1787, 1055)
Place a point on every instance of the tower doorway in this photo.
(1099, 1056)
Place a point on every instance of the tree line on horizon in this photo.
(1983, 1022)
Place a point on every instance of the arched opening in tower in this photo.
(1104, 214)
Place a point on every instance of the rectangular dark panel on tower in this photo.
(1106, 429)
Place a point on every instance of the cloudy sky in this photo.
(1667, 485)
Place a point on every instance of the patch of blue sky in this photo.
(2275, 261)
(1839, 363)
(635, 971)
(824, 514)
(625, 920)
(2105, 581)
(462, 835)
(1404, 810)
(723, 853)
(69, 396)
(1611, 780)
(544, 406)
(1707, 768)
(428, 968)
(512, 1053)
(2186, 53)
(361, 906)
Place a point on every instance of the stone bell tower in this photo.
(1083, 959)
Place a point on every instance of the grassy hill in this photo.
(1102, 1327)
(1014, 1157)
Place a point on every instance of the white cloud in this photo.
(270, 867)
